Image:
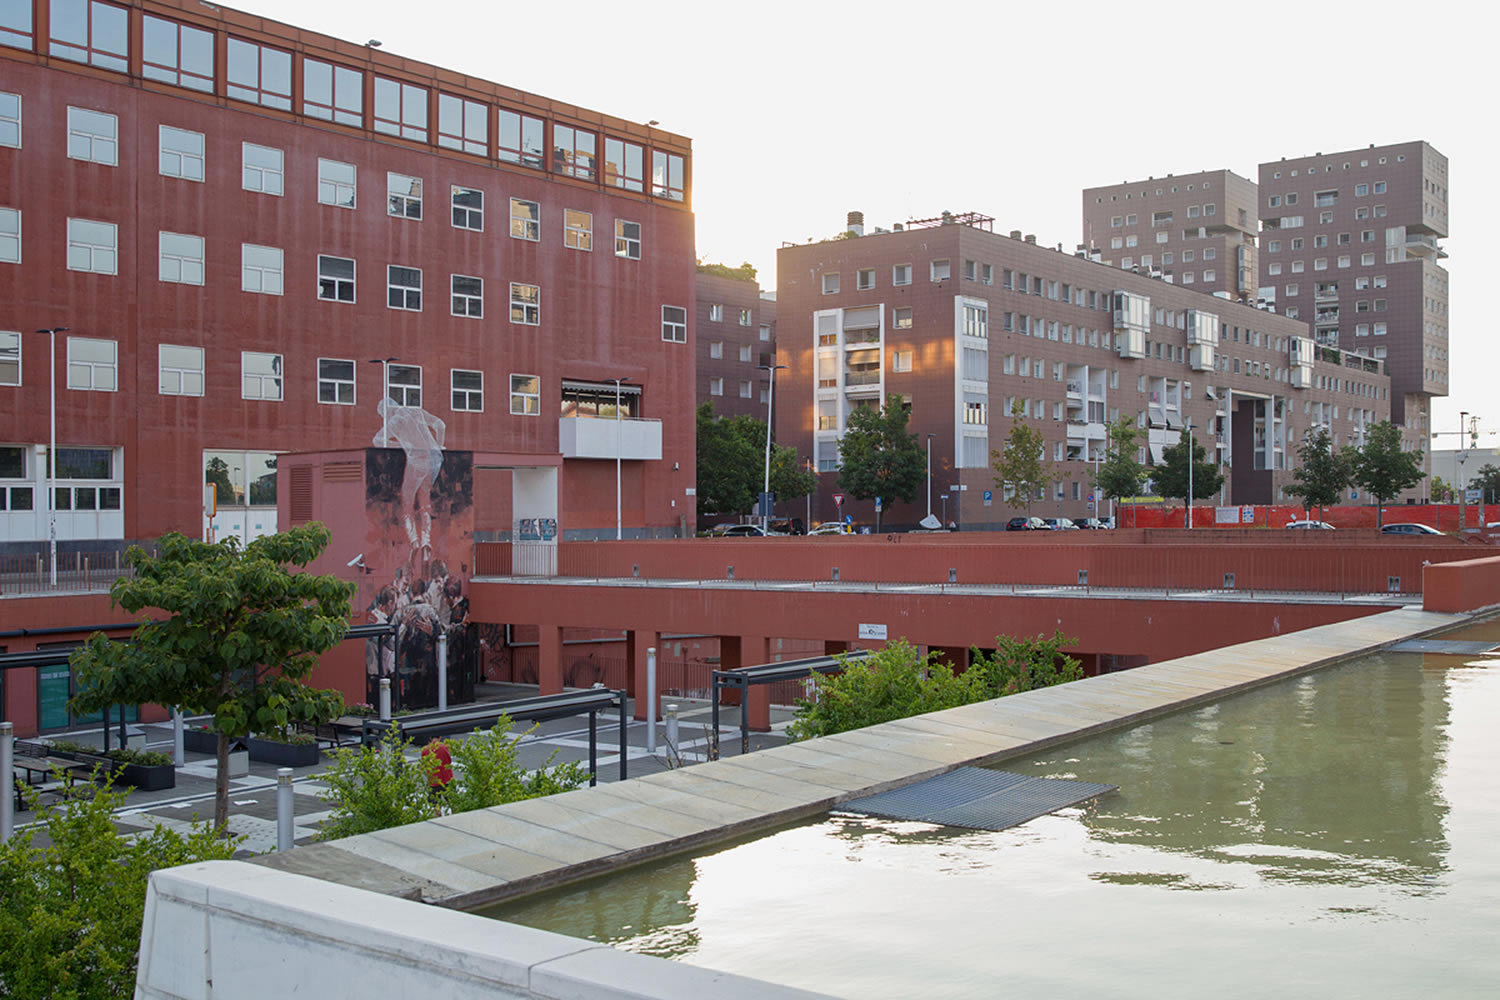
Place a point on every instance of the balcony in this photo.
(860, 338)
(633, 439)
(1423, 246)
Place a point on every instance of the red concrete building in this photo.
(736, 334)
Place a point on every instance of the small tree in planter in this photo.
(242, 634)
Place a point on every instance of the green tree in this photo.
(789, 477)
(1171, 477)
(1382, 468)
(242, 630)
(1440, 491)
(878, 457)
(1322, 473)
(1121, 474)
(894, 683)
(71, 922)
(1022, 464)
(731, 464)
(1023, 664)
(216, 473)
(1488, 480)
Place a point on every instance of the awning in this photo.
(626, 389)
(1157, 456)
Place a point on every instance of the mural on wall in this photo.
(419, 509)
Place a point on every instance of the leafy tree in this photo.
(241, 634)
(731, 464)
(878, 458)
(1382, 468)
(1022, 465)
(745, 272)
(1171, 477)
(790, 478)
(71, 923)
(1121, 475)
(1023, 664)
(1322, 473)
(217, 474)
(1488, 480)
(1440, 490)
(894, 683)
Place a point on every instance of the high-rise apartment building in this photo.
(1196, 230)
(963, 325)
(1349, 245)
(736, 334)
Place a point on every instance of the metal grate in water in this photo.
(978, 799)
(1452, 646)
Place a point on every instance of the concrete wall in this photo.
(1462, 586)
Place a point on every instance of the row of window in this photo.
(1325, 199)
(1164, 218)
(716, 351)
(1321, 263)
(747, 317)
(97, 33)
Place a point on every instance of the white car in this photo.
(1311, 525)
(829, 528)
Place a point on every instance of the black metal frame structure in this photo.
(742, 679)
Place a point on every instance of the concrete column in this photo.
(750, 651)
(637, 641)
(549, 659)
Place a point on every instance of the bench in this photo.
(37, 763)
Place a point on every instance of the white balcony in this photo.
(633, 439)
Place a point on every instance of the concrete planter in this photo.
(200, 741)
(266, 751)
(148, 777)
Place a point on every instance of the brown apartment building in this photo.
(1195, 230)
(736, 335)
(1349, 246)
(961, 324)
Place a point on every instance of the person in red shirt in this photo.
(442, 774)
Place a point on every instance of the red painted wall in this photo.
(1462, 586)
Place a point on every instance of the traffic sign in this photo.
(989, 495)
(1473, 496)
(838, 499)
(877, 505)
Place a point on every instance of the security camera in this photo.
(358, 560)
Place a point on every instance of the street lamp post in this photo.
(1190, 457)
(1463, 506)
(52, 333)
(385, 394)
(930, 436)
(619, 448)
(765, 518)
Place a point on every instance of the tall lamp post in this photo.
(1463, 507)
(765, 518)
(619, 448)
(930, 436)
(1190, 457)
(52, 333)
(385, 394)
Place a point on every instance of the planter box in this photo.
(147, 777)
(282, 754)
(200, 741)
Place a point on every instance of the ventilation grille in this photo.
(342, 472)
(301, 493)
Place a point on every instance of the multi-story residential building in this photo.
(232, 218)
(736, 335)
(1196, 230)
(1349, 245)
(964, 325)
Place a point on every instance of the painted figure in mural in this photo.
(420, 435)
(380, 651)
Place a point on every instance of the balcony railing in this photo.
(633, 439)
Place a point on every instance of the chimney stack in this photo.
(856, 223)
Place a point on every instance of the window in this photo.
(745, 320)
(10, 358)
(177, 54)
(468, 209)
(1274, 268)
(971, 270)
(520, 139)
(336, 183)
(1343, 260)
(335, 278)
(15, 25)
(403, 196)
(10, 116)
(259, 74)
(987, 274)
(525, 304)
(624, 165)
(1380, 187)
(941, 270)
(901, 361)
(181, 153)
(333, 93)
(403, 384)
(261, 169)
(667, 175)
(400, 109)
(976, 321)
(525, 395)
(336, 381)
(180, 258)
(716, 313)
(403, 287)
(901, 274)
(745, 389)
(468, 391)
(1320, 264)
(1319, 242)
(463, 125)
(864, 278)
(765, 333)
(91, 246)
(10, 236)
(92, 364)
(745, 352)
(93, 136)
(260, 376)
(627, 239)
(901, 318)
(525, 220)
(1367, 260)
(179, 370)
(260, 269)
(674, 324)
(1298, 266)
(572, 152)
(468, 296)
(578, 229)
(716, 386)
(1208, 275)
(1380, 329)
(87, 31)
(830, 286)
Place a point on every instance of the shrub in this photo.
(70, 926)
(1025, 664)
(894, 683)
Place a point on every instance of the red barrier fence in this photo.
(1444, 517)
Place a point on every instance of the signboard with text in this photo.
(872, 631)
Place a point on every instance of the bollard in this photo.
(7, 794)
(672, 743)
(651, 700)
(442, 665)
(385, 699)
(283, 809)
(179, 755)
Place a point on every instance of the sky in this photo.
(802, 112)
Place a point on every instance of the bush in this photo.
(376, 788)
(151, 758)
(70, 926)
(1025, 664)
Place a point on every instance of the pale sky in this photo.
(800, 112)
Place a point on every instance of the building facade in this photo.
(736, 326)
(1196, 230)
(964, 325)
(1349, 246)
(263, 240)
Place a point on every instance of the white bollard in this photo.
(284, 808)
(385, 699)
(442, 665)
(179, 754)
(672, 731)
(8, 793)
(651, 700)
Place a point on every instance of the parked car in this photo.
(1309, 525)
(1090, 523)
(1408, 529)
(829, 528)
(787, 526)
(1060, 523)
(745, 531)
(1027, 524)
